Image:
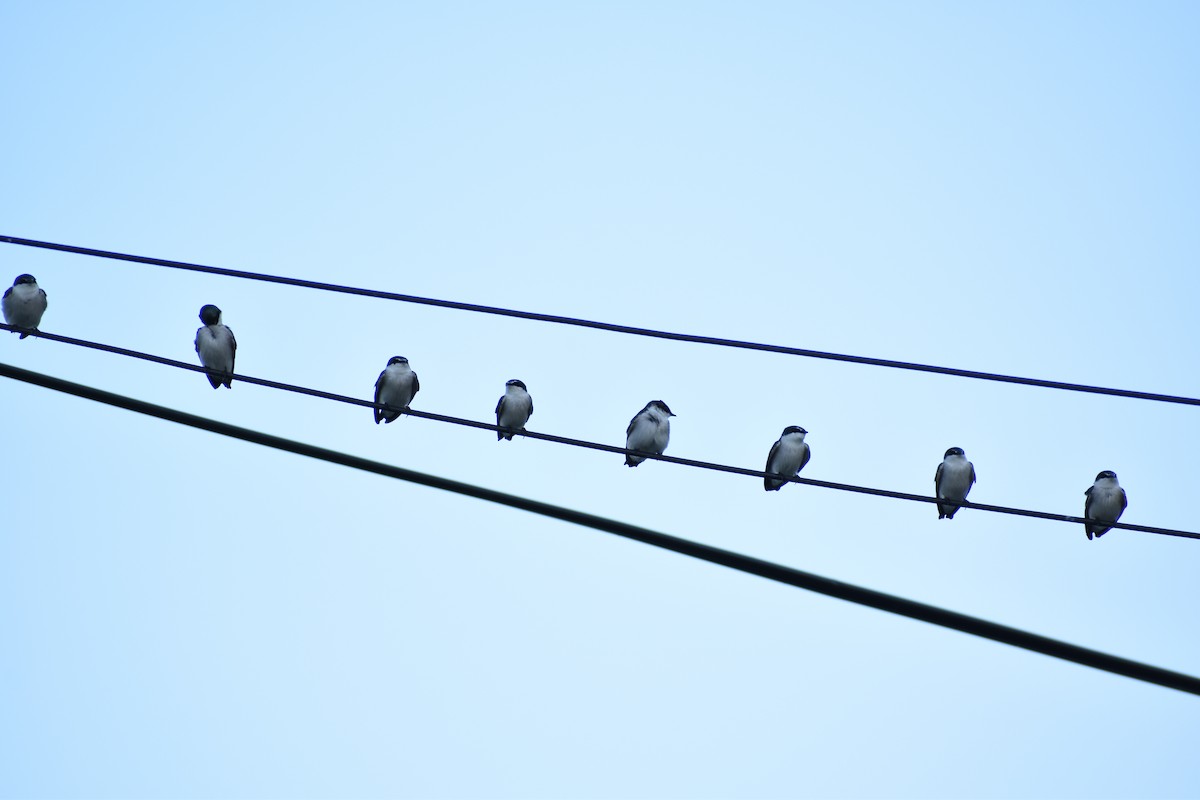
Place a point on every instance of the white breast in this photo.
(396, 386)
(515, 412)
(789, 455)
(1106, 501)
(650, 433)
(955, 483)
(24, 306)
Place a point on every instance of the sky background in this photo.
(1008, 187)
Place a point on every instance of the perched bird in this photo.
(396, 386)
(216, 347)
(24, 303)
(514, 409)
(787, 457)
(649, 431)
(953, 481)
(1105, 504)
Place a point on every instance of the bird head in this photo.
(661, 406)
(210, 314)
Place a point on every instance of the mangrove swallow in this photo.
(514, 410)
(953, 481)
(24, 303)
(216, 347)
(1105, 504)
(396, 386)
(787, 457)
(649, 431)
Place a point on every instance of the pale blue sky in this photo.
(1005, 187)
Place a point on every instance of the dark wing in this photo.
(42, 292)
(416, 385)
(233, 353)
(1124, 502)
(7, 292)
(937, 478)
(531, 405)
(807, 456)
(772, 484)
(770, 456)
(629, 430)
(1087, 513)
(499, 409)
(972, 483)
(378, 389)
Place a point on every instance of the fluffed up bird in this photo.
(787, 457)
(24, 303)
(649, 431)
(953, 481)
(396, 386)
(216, 347)
(1106, 502)
(514, 409)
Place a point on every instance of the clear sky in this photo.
(1010, 187)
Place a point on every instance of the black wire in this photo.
(605, 326)
(608, 448)
(743, 563)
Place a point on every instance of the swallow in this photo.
(216, 347)
(24, 303)
(1106, 502)
(396, 387)
(953, 481)
(514, 409)
(649, 431)
(787, 457)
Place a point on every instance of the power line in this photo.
(737, 561)
(608, 448)
(605, 326)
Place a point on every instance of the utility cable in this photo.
(737, 561)
(687, 462)
(605, 326)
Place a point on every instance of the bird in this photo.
(513, 410)
(216, 347)
(787, 457)
(649, 431)
(24, 303)
(396, 386)
(953, 481)
(1106, 502)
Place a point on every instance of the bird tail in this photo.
(215, 380)
(948, 510)
(629, 460)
